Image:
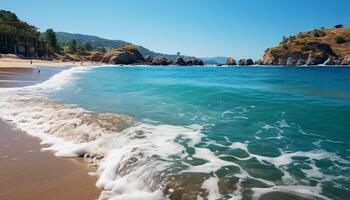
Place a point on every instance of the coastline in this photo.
(8, 62)
(29, 173)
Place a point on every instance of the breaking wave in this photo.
(154, 161)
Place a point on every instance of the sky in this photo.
(202, 28)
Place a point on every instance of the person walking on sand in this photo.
(81, 64)
(31, 61)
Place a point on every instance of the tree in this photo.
(51, 39)
(8, 16)
(87, 47)
(73, 46)
(338, 26)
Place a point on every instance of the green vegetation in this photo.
(18, 37)
(307, 47)
(318, 33)
(51, 39)
(339, 26)
(87, 47)
(340, 40)
(72, 47)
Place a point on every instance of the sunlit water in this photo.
(200, 132)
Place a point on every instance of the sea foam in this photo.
(141, 158)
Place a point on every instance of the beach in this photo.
(26, 171)
(9, 62)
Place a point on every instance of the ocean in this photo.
(196, 132)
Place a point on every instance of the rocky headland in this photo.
(320, 46)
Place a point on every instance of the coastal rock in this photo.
(246, 62)
(189, 62)
(329, 61)
(124, 55)
(282, 61)
(269, 61)
(198, 62)
(241, 62)
(301, 62)
(161, 60)
(249, 62)
(290, 61)
(180, 61)
(148, 59)
(316, 58)
(230, 61)
(259, 62)
(346, 61)
(95, 56)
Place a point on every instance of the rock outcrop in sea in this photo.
(325, 46)
(230, 61)
(246, 62)
(125, 55)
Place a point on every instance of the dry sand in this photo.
(26, 172)
(9, 62)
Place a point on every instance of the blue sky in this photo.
(203, 28)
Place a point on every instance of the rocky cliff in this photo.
(324, 46)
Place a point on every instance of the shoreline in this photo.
(27, 172)
(8, 62)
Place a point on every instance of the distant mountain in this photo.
(215, 60)
(98, 42)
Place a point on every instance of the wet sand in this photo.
(26, 172)
(19, 77)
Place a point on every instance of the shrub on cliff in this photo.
(338, 26)
(307, 47)
(340, 40)
(318, 33)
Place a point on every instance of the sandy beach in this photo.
(28, 173)
(9, 62)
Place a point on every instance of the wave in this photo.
(144, 158)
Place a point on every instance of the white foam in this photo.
(211, 185)
(135, 155)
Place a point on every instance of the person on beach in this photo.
(31, 61)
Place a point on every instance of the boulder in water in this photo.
(230, 61)
(125, 55)
(180, 61)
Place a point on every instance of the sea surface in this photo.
(196, 132)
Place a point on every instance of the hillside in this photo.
(98, 42)
(324, 46)
(214, 60)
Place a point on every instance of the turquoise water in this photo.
(271, 132)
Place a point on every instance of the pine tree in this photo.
(51, 39)
(73, 46)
